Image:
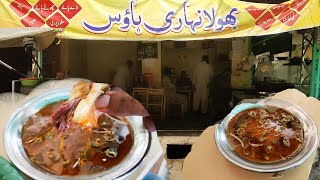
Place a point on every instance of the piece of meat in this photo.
(80, 90)
(35, 125)
(85, 111)
(86, 108)
(62, 117)
(72, 146)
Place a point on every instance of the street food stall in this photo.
(152, 51)
(18, 45)
(170, 21)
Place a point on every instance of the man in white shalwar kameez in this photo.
(202, 77)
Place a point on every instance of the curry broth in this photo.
(77, 151)
(265, 135)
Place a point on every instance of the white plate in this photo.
(16, 153)
(310, 142)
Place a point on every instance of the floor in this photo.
(175, 165)
(191, 121)
(315, 171)
(181, 131)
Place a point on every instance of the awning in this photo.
(13, 37)
(157, 20)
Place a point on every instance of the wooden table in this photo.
(207, 163)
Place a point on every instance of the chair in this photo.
(156, 103)
(141, 95)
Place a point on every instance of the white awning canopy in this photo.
(13, 37)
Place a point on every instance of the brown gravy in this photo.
(265, 135)
(77, 151)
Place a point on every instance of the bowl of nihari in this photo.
(59, 135)
(268, 136)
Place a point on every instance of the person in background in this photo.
(168, 86)
(221, 89)
(171, 91)
(201, 80)
(222, 94)
(122, 77)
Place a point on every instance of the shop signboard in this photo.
(154, 20)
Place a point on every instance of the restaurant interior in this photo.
(259, 66)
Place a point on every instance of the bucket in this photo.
(148, 79)
(29, 82)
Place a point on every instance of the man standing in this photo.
(122, 76)
(222, 94)
(202, 77)
(221, 90)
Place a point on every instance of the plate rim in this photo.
(220, 131)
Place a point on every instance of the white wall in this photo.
(105, 56)
(182, 59)
(95, 60)
(240, 79)
(187, 58)
(73, 58)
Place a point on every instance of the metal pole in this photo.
(314, 83)
(317, 76)
(252, 68)
(303, 50)
(40, 62)
(13, 90)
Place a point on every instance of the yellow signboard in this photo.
(152, 20)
